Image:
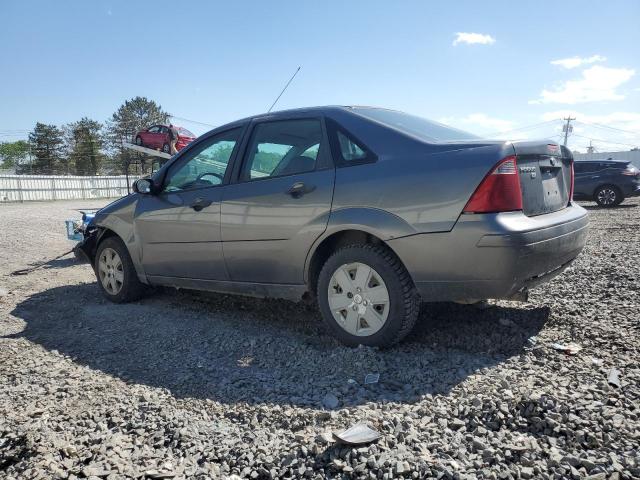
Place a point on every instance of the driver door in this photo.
(151, 137)
(179, 227)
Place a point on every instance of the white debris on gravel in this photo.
(188, 385)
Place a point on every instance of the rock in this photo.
(456, 424)
(324, 438)
(478, 444)
(330, 401)
(596, 476)
(614, 377)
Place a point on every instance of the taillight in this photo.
(572, 183)
(631, 171)
(499, 191)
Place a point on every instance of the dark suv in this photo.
(608, 182)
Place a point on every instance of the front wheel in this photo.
(367, 297)
(608, 196)
(115, 272)
(166, 148)
(139, 141)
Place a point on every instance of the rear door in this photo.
(179, 228)
(586, 178)
(545, 176)
(280, 203)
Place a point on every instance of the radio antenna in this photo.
(285, 87)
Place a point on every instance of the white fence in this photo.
(24, 188)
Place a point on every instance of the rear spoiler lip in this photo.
(541, 147)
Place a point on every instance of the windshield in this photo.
(416, 126)
(185, 133)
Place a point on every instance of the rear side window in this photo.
(346, 149)
(415, 126)
(349, 149)
(580, 167)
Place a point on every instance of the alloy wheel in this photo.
(111, 271)
(358, 299)
(607, 196)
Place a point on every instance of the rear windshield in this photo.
(416, 126)
(185, 133)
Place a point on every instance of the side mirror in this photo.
(144, 186)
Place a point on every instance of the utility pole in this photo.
(567, 128)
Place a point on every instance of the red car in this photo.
(157, 137)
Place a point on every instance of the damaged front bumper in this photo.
(85, 249)
(86, 234)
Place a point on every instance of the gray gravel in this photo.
(188, 385)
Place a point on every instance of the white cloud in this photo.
(486, 122)
(573, 62)
(471, 38)
(482, 123)
(597, 84)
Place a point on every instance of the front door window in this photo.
(205, 165)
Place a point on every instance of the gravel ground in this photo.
(188, 385)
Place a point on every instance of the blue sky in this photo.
(217, 61)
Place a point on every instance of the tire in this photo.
(139, 142)
(119, 284)
(393, 319)
(166, 148)
(608, 196)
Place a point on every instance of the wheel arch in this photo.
(331, 243)
(92, 241)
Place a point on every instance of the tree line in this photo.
(84, 147)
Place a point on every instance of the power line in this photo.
(526, 127)
(605, 141)
(606, 126)
(192, 121)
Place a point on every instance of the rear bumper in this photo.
(493, 255)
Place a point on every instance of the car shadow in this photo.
(622, 206)
(236, 349)
(61, 263)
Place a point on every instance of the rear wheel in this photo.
(608, 196)
(367, 297)
(116, 274)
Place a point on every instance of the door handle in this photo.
(200, 203)
(596, 176)
(298, 189)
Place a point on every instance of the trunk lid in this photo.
(544, 169)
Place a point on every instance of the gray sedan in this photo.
(366, 210)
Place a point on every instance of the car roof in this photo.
(605, 161)
(316, 110)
